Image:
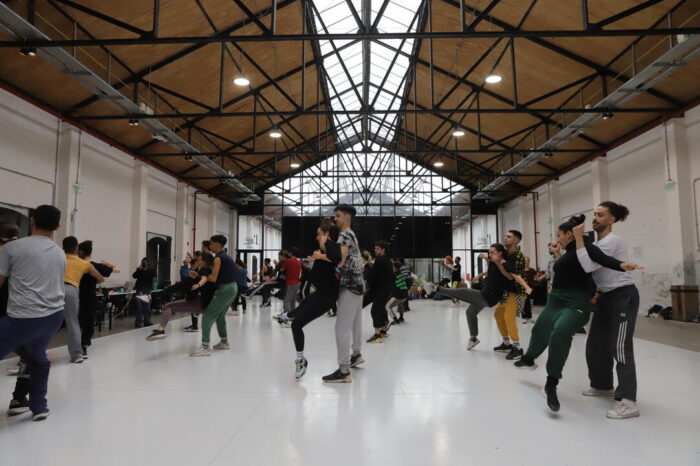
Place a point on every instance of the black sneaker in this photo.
(581, 331)
(156, 335)
(85, 355)
(338, 377)
(515, 354)
(17, 407)
(526, 362)
(401, 321)
(376, 338)
(191, 328)
(395, 321)
(384, 333)
(503, 348)
(356, 360)
(550, 393)
(300, 367)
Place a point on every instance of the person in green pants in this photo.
(567, 310)
(223, 275)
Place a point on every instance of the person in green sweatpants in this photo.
(567, 310)
(223, 275)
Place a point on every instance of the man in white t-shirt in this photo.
(34, 268)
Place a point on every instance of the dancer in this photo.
(242, 284)
(348, 326)
(324, 278)
(76, 268)
(272, 278)
(292, 271)
(88, 298)
(223, 276)
(506, 312)
(144, 276)
(382, 285)
(197, 291)
(499, 281)
(612, 327)
(34, 267)
(399, 295)
(567, 309)
(455, 269)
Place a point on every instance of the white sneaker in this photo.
(222, 346)
(472, 343)
(201, 351)
(623, 410)
(285, 323)
(77, 360)
(590, 391)
(13, 370)
(233, 313)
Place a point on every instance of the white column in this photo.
(211, 217)
(679, 204)
(138, 214)
(67, 166)
(181, 233)
(233, 229)
(526, 221)
(554, 208)
(599, 176)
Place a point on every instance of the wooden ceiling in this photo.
(186, 79)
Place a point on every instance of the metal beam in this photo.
(625, 13)
(105, 18)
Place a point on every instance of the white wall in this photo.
(37, 153)
(634, 174)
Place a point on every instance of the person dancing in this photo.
(568, 308)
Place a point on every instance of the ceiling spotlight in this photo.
(275, 133)
(458, 132)
(548, 155)
(188, 158)
(294, 164)
(607, 115)
(241, 80)
(439, 164)
(494, 78)
(28, 51)
(133, 122)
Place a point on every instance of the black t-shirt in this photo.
(4, 296)
(568, 273)
(496, 283)
(323, 274)
(88, 284)
(457, 273)
(227, 270)
(208, 289)
(383, 276)
(144, 279)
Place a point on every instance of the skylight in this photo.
(376, 81)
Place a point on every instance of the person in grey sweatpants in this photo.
(348, 326)
(70, 314)
(290, 298)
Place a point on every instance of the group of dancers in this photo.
(585, 275)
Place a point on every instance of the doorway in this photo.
(252, 261)
(17, 215)
(158, 253)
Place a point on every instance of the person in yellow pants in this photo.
(505, 314)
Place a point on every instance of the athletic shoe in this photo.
(503, 348)
(515, 354)
(41, 416)
(338, 377)
(526, 363)
(472, 343)
(301, 365)
(156, 335)
(376, 338)
(624, 409)
(401, 321)
(77, 360)
(233, 313)
(528, 321)
(222, 345)
(285, 323)
(356, 360)
(590, 391)
(581, 331)
(191, 328)
(332, 314)
(85, 355)
(267, 304)
(17, 407)
(201, 351)
(550, 393)
(395, 321)
(383, 333)
(14, 370)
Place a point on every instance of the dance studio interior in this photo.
(349, 232)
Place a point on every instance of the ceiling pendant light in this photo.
(494, 78)
(438, 163)
(294, 164)
(457, 132)
(241, 80)
(275, 133)
(28, 51)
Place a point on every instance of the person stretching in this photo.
(223, 276)
(382, 285)
(567, 310)
(612, 327)
(499, 281)
(324, 278)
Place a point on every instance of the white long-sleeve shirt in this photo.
(607, 279)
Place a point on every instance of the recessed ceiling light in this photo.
(494, 78)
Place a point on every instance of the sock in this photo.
(300, 355)
(162, 329)
(506, 340)
(516, 344)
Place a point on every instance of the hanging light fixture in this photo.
(28, 51)
(275, 133)
(608, 115)
(241, 80)
(294, 163)
(438, 163)
(494, 78)
(457, 132)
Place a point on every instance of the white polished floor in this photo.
(420, 399)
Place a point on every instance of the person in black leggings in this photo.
(325, 278)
